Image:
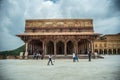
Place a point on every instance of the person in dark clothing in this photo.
(50, 59)
(89, 55)
(76, 57)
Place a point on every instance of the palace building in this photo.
(107, 44)
(59, 36)
(65, 36)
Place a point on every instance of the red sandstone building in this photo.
(59, 36)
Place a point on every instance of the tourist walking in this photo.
(76, 57)
(73, 57)
(89, 55)
(50, 59)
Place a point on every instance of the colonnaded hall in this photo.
(65, 36)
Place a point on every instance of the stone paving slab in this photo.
(63, 69)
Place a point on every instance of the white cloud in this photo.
(14, 13)
(108, 25)
(5, 21)
(8, 41)
(42, 9)
(83, 8)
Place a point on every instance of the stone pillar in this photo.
(26, 50)
(111, 51)
(55, 48)
(106, 51)
(43, 47)
(65, 49)
(98, 51)
(89, 46)
(84, 49)
(92, 46)
(76, 47)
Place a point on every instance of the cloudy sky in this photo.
(13, 13)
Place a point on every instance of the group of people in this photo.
(75, 57)
(37, 55)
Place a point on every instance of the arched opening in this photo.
(79, 48)
(100, 51)
(109, 51)
(60, 48)
(105, 51)
(96, 50)
(83, 46)
(118, 51)
(34, 45)
(50, 47)
(114, 51)
(70, 47)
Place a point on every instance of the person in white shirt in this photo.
(50, 59)
(34, 55)
(38, 55)
(73, 57)
(95, 54)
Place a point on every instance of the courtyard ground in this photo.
(63, 69)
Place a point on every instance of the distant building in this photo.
(107, 44)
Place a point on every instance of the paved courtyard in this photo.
(63, 69)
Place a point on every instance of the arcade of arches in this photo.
(107, 51)
(59, 47)
(66, 45)
(107, 44)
